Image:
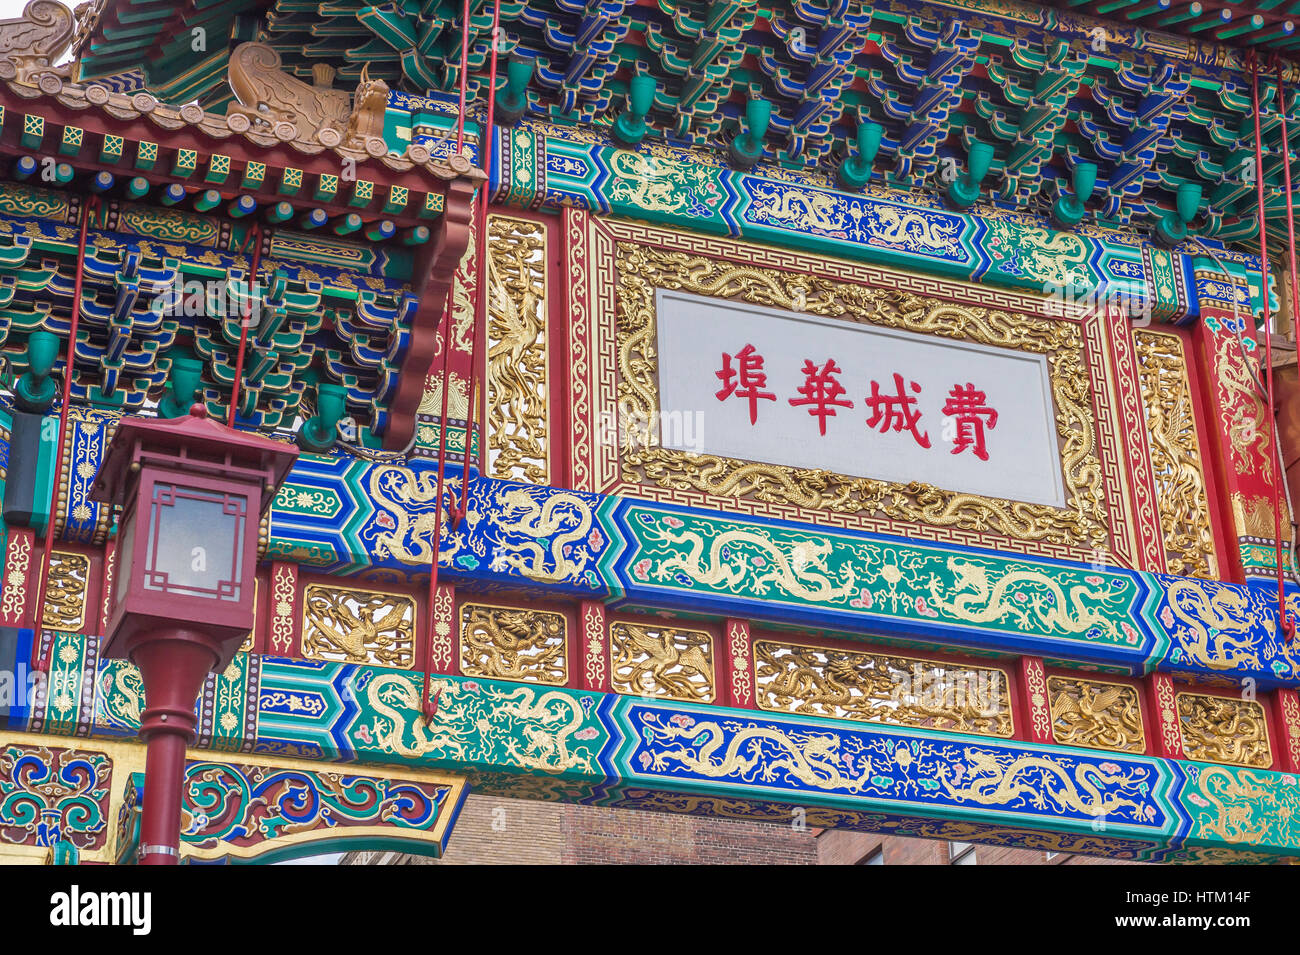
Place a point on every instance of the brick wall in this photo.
(497, 831)
(852, 848)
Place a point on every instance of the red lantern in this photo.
(192, 493)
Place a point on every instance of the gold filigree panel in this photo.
(641, 269)
(662, 661)
(506, 643)
(358, 626)
(66, 585)
(882, 688)
(1096, 714)
(1221, 729)
(1175, 454)
(517, 423)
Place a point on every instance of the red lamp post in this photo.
(192, 493)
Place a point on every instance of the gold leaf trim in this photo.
(642, 269)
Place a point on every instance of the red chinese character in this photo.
(967, 406)
(896, 412)
(821, 390)
(751, 376)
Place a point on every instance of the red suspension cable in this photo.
(481, 297)
(464, 75)
(1288, 624)
(254, 236)
(430, 707)
(41, 660)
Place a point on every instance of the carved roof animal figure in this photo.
(269, 96)
(29, 44)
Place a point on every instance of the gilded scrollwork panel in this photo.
(882, 688)
(510, 644)
(1082, 526)
(358, 626)
(1175, 454)
(662, 661)
(1221, 729)
(1096, 714)
(517, 373)
(66, 586)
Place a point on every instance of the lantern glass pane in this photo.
(125, 557)
(196, 543)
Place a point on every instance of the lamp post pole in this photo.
(173, 663)
(191, 492)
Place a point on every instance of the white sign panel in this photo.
(781, 387)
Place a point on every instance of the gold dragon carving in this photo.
(268, 97)
(812, 758)
(977, 599)
(395, 699)
(1242, 411)
(65, 591)
(880, 688)
(796, 567)
(508, 644)
(547, 722)
(1096, 715)
(643, 269)
(358, 626)
(1218, 625)
(1220, 729)
(662, 662)
(540, 726)
(517, 366)
(31, 43)
(1233, 797)
(1175, 455)
(912, 229)
(804, 208)
(535, 515)
(991, 783)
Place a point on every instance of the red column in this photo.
(279, 636)
(1035, 713)
(441, 655)
(1286, 713)
(594, 653)
(22, 570)
(735, 673)
(1238, 443)
(1162, 708)
(173, 663)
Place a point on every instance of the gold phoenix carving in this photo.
(358, 626)
(517, 346)
(662, 661)
(1219, 729)
(643, 269)
(1175, 455)
(65, 592)
(509, 644)
(1097, 715)
(881, 688)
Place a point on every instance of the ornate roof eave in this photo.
(127, 16)
(139, 119)
(89, 127)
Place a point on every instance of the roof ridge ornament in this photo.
(30, 43)
(293, 110)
